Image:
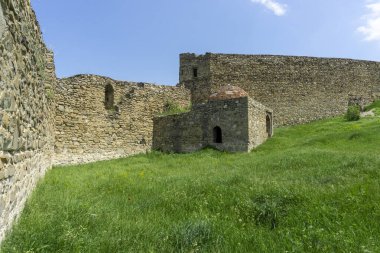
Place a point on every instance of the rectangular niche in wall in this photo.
(195, 72)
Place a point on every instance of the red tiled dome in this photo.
(228, 92)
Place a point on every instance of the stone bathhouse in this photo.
(46, 121)
(230, 121)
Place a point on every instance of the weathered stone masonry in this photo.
(89, 118)
(298, 89)
(89, 129)
(241, 122)
(229, 121)
(27, 80)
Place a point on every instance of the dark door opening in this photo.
(269, 125)
(195, 72)
(217, 135)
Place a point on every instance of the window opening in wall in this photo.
(109, 97)
(195, 72)
(217, 131)
(269, 124)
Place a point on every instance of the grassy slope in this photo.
(312, 188)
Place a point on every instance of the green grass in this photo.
(375, 105)
(171, 108)
(311, 188)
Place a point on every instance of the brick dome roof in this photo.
(228, 92)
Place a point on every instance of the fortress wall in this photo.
(27, 82)
(86, 131)
(298, 89)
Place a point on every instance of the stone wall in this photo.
(298, 89)
(179, 132)
(260, 123)
(27, 82)
(88, 130)
(199, 84)
(241, 120)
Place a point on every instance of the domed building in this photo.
(228, 92)
(230, 121)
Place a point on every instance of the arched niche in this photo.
(217, 135)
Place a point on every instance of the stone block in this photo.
(7, 144)
(9, 103)
(10, 171)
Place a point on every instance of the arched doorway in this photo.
(269, 125)
(109, 97)
(217, 133)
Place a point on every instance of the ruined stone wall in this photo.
(298, 89)
(241, 120)
(87, 131)
(179, 132)
(27, 83)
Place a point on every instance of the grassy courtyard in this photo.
(311, 188)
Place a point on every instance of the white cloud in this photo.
(277, 8)
(371, 30)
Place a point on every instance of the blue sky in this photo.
(140, 40)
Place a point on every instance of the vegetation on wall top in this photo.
(172, 107)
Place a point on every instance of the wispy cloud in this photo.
(277, 8)
(371, 30)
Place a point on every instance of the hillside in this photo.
(311, 188)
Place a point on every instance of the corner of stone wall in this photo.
(259, 131)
